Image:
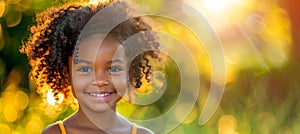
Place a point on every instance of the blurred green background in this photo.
(261, 41)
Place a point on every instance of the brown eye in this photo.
(85, 69)
(115, 69)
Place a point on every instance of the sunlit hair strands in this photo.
(52, 41)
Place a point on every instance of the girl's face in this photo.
(99, 77)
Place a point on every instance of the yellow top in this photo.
(63, 129)
(133, 129)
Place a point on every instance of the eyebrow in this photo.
(110, 62)
(84, 61)
(116, 60)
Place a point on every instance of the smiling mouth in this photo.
(100, 95)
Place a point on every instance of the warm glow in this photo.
(2, 8)
(97, 1)
(5, 129)
(51, 99)
(35, 125)
(21, 100)
(227, 124)
(216, 5)
(10, 113)
(259, 44)
(93, 1)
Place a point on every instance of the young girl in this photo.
(95, 67)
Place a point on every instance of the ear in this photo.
(70, 68)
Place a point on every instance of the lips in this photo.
(100, 95)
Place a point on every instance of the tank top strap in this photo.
(62, 127)
(134, 128)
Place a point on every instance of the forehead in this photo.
(95, 47)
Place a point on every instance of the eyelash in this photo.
(81, 69)
(115, 67)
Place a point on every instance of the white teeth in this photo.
(99, 95)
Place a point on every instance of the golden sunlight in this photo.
(216, 5)
(97, 1)
(52, 100)
(50, 97)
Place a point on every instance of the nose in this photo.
(101, 83)
(101, 79)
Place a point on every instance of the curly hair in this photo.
(52, 41)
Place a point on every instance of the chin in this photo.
(102, 109)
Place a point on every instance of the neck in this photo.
(108, 121)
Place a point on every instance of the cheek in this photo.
(120, 83)
(79, 83)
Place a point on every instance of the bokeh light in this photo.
(35, 125)
(13, 18)
(2, 8)
(262, 81)
(21, 100)
(10, 113)
(227, 124)
(5, 129)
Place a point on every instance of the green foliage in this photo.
(262, 93)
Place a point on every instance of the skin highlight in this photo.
(96, 75)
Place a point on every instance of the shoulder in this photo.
(52, 129)
(143, 130)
